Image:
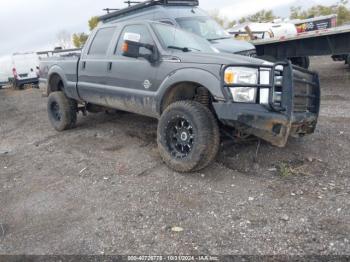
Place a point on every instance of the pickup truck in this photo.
(158, 70)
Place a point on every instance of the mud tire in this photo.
(62, 111)
(206, 137)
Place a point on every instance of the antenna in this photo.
(132, 2)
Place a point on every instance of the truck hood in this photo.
(216, 58)
(232, 46)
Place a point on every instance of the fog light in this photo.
(244, 94)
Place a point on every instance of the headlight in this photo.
(242, 75)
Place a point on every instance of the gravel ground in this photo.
(103, 189)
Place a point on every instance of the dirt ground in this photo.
(103, 189)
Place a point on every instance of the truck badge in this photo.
(147, 84)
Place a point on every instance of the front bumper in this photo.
(296, 114)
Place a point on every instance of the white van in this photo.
(5, 70)
(3, 79)
(24, 68)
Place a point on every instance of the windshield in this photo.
(177, 39)
(203, 26)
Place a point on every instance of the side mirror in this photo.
(132, 49)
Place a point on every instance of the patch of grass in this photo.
(287, 170)
(284, 170)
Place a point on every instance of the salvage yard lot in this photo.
(103, 189)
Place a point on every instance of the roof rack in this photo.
(146, 4)
(131, 2)
(108, 10)
(58, 50)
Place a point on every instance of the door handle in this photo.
(83, 65)
(109, 66)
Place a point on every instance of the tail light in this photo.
(15, 75)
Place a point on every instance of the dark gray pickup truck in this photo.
(157, 70)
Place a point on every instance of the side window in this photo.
(101, 41)
(134, 31)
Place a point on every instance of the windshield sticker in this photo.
(132, 37)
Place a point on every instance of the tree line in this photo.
(79, 39)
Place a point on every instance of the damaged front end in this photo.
(287, 103)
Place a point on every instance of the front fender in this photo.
(194, 75)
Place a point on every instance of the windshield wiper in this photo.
(219, 38)
(183, 49)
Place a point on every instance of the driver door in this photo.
(133, 79)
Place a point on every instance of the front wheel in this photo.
(62, 111)
(188, 136)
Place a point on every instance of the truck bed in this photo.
(68, 65)
(65, 64)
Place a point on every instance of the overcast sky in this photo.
(33, 25)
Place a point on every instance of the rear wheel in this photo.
(62, 111)
(188, 136)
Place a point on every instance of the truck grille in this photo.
(301, 97)
(304, 91)
(277, 97)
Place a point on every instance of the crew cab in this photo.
(159, 70)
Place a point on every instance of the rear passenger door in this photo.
(94, 65)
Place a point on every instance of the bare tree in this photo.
(64, 39)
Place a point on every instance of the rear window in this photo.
(101, 41)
